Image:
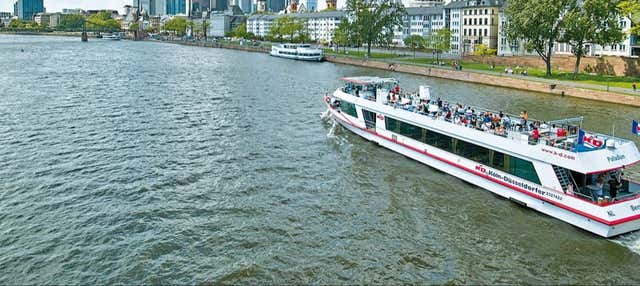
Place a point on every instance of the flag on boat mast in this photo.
(635, 128)
(589, 142)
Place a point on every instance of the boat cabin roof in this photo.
(293, 46)
(366, 80)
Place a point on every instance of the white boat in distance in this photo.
(554, 167)
(112, 37)
(302, 52)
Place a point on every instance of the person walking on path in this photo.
(633, 86)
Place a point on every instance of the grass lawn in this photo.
(613, 81)
(361, 54)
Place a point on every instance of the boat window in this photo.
(513, 165)
(392, 125)
(523, 169)
(349, 108)
(473, 152)
(498, 160)
(411, 131)
(404, 129)
(439, 140)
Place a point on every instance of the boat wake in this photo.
(332, 130)
(326, 115)
(630, 241)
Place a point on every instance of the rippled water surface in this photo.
(129, 162)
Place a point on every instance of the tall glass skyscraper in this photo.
(200, 5)
(158, 7)
(25, 9)
(311, 5)
(144, 5)
(175, 7)
(275, 5)
(220, 5)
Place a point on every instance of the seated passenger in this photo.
(535, 134)
(561, 132)
(500, 130)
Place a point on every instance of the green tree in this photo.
(240, 31)
(287, 26)
(631, 10)
(102, 21)
(373, 21)
(414, 42)
(71, 22)
(21, 25)
(483, 51)
(205, 29)
(341, 34)
(538, 23)
(590, 22)
(276, 31)
(134, 27)
(176, 25)
(439, 42)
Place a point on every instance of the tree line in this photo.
(538, 25)
(99, 22)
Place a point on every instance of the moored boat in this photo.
(554, 167)
(302, 52)
(112, 37)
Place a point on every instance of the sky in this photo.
(58, 5)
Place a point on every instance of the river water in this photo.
(134, 162)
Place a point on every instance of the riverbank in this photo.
(54, 34)
(466, 76)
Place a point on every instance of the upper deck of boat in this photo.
(295, 46)
(561, 133)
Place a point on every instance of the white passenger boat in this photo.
(112, 37)
(297, 52)
(564, 172)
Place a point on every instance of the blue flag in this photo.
(589, 142)
(635, 129)
(580, 137)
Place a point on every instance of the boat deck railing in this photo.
(509, 126)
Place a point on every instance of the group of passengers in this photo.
(498, 123)
(615, 183)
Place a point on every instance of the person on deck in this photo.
(535, 134)
(599, 185)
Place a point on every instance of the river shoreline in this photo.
(465, 76)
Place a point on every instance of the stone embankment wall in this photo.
(620, 66)
(245, 48)
(500, 81)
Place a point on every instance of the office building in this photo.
(26, 9)
(176, 7)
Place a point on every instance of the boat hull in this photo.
(296, 57)
(487, 183)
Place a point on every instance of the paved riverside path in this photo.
(614, 89)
